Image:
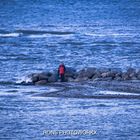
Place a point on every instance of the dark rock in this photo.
(53, 78)
(81, 73)
(119, 74)
(138, 77)
(108, 79)
(108, 74)
(43, 76)
(116, 70)
(97, 79)
(69, 79)
(42, 82)
(97, 75)
(92, 73)
(103, 70)
(134, 78)
(118, 78)
(138, 71)
(48, 74)
(125, 76)
(70, 72)
(138, 74)
(80, 79)
(105, 74)
(132, 75)
(34, 77)
(131, 70)
(89, 73)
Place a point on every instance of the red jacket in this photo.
(61, 69)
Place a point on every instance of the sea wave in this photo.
(34, 33)
(24, 80)
(9, 34)
(38, 36)
(116, 93)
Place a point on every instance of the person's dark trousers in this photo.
(62, 77)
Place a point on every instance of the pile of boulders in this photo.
(92, 74)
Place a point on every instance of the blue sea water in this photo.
(37, 35)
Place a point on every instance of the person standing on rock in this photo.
(61, 72)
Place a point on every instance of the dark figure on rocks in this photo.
(61, 72)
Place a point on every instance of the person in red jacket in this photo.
(61, 72)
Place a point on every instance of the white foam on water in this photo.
(10, 35)
(25, 79)
(92, 34)
(5, 93)
(116, 93)
(110, 34)
(38, 36)
(49, 35)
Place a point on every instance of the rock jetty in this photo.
(86, 74)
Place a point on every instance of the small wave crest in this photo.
(9, 34)
(38, 36)
(21, 80)
(115, 93)
(24, 79)
(34, 33)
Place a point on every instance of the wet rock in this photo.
(97, 79)
(116, 70)
(107, 79)
(138, 77)
(34, 77)
(108, 74)
(80, 79)
(40, 76)
(103, 70)
(134, 78)
(97, 75)
(125, 76)
(81, 73)
(52, 78)
(119, 74)
(118, 78)
(138, 74)
(132, 75)
(105, 74)
(70, 72)
(89, 73)
(130, 71)
(43, 76)
(42, 82)
(69, 79)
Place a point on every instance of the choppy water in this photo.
(38, 35)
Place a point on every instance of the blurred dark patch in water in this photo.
(29, 32)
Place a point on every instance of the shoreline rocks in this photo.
(86, 74)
